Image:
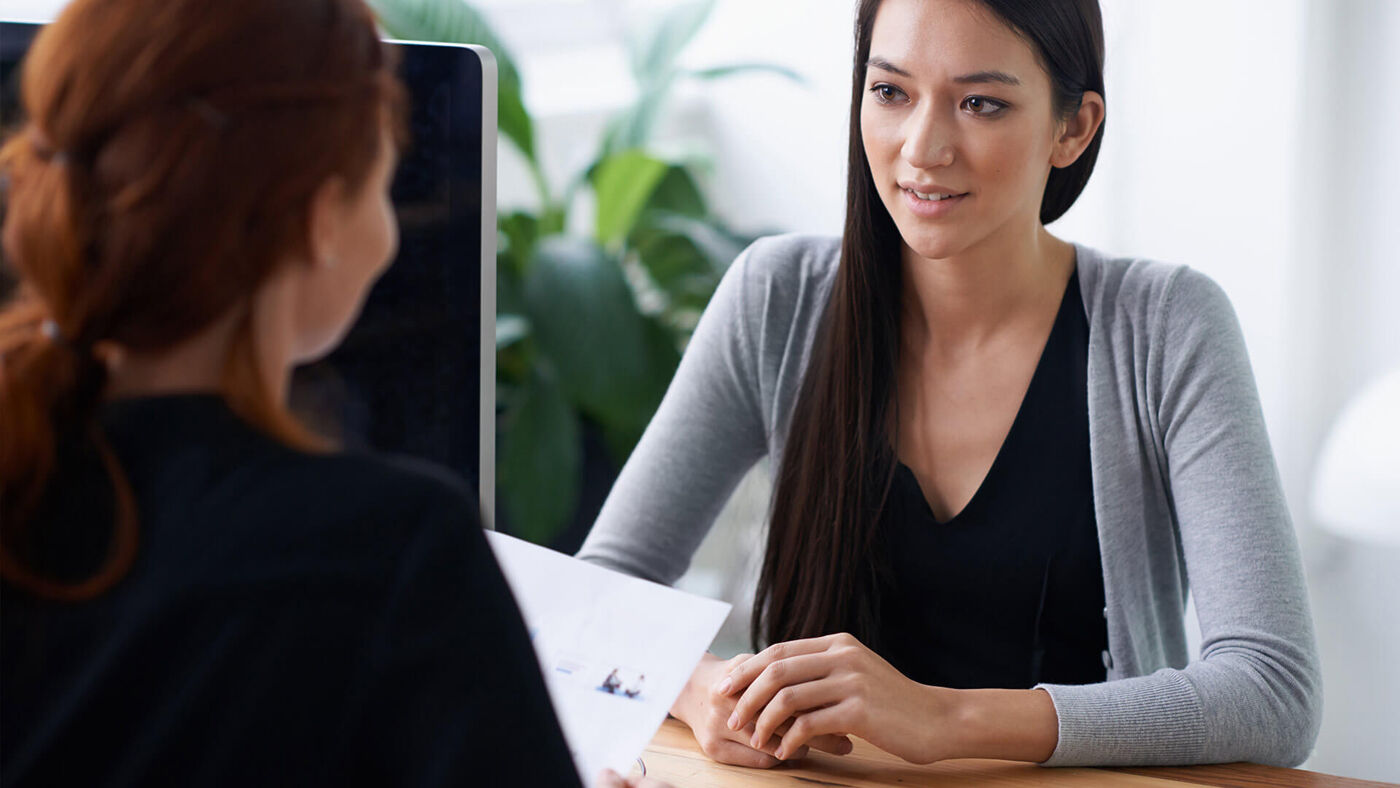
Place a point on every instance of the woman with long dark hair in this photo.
(1001, 458)
(196, 590)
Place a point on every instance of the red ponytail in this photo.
(170, 153)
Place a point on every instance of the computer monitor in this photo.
(417, 373)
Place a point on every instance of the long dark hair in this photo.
(169, 155)
(822, 569)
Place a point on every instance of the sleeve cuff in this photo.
(1143, 721)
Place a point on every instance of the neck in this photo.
(192, 366)
(201, 363)
(965, 300)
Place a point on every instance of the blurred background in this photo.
(646, 141)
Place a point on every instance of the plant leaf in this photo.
(514, 121)
(678, 193)
(540, 461)
(520, 230)
(585, 321)
(674, 263)
(633, 126)
(721, 72)
(676, 29)
(623, 184)
(685, 257)
(659, 362)
(719, 245)
(455, 22)
(514, 354)
(510, 329)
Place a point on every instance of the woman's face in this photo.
(958, 124)
(358, 237)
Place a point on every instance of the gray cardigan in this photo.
(1185, 486)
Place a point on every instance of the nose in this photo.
(929, 140)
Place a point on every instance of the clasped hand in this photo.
(817, 691)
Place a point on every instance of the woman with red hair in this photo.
(196, 589)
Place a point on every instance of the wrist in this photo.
(965, 719)
(694, 688)
(1019, 725)
(945, 728)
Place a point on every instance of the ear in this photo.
(1078, 130)
(324, 218)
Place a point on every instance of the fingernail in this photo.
(734, 721)
(724, 686)
(780, 754)
(753, 741)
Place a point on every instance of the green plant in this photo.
(590, 327)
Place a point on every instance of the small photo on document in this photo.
(623, 683)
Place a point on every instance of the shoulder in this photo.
(363, 486)
(791, 257)
(311, 512)
(1147, 299)
(780, 280)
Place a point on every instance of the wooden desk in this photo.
(675, 757)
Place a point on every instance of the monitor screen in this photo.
(416, 374)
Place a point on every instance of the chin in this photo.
(318, 348)
(934, 244)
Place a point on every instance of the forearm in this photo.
(1017, 725)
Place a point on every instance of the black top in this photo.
(291, 619)
(1009, 592)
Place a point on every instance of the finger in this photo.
(744, 737)
(771, 748)
(720, 686)
(729, 666)
(740, 676)
(834, 743)
(790, 702)
(783, 673)
(826, 721)
(608, 778)
(798, 755)
(733, 752)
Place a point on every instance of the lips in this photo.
(932, 196)
(927, 190)
(932, 204)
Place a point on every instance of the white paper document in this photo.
(615, 650)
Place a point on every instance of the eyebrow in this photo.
(987, 76)
(885, 65)
(977, 77)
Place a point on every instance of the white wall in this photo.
(1343, 301)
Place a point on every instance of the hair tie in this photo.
(49, 328)
(83, 353)
(44, 149)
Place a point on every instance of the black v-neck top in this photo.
(1009, 592)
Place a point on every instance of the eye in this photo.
(981, 105)
(886, 93)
